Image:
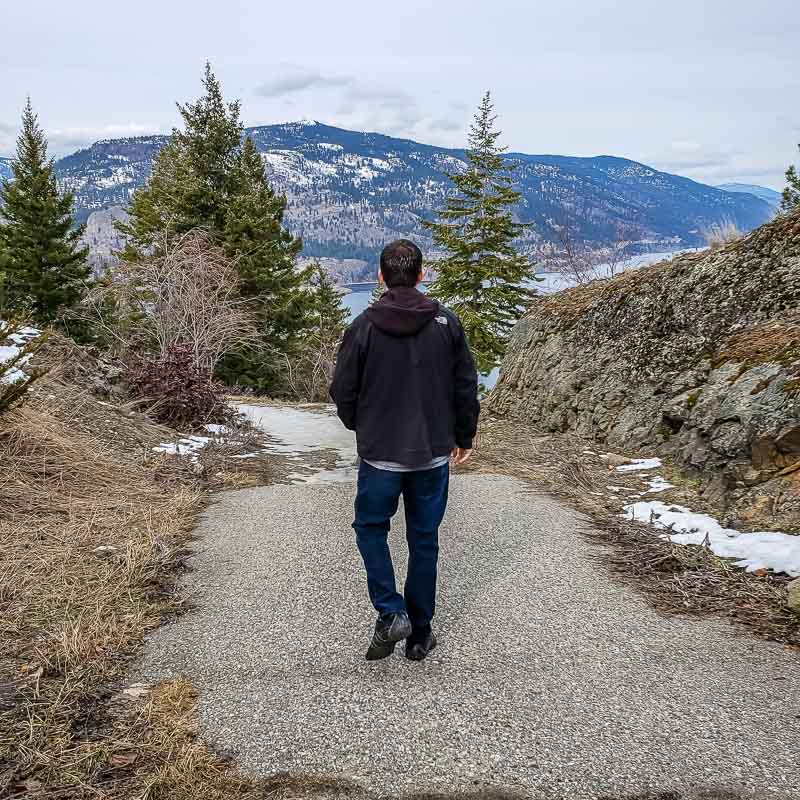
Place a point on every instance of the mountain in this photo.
(107, 173)
(768, 195)
(5, 169)
(351, 192)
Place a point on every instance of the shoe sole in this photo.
(397, 632)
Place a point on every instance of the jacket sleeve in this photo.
(466, 392)
(347, 377)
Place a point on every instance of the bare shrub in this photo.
(718, 234)
(182, 392)
(584, 262)
(185, 295)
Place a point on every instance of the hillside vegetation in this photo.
(349, 192)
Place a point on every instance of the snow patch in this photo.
(192, 444)
(19, 339)
(295, 432)
(771, 550)
(640, 464)
(187, 446)
(658, 484)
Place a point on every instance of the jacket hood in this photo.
(402, 311)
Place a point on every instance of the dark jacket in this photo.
(405, 380)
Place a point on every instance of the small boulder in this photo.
(794, 596)
(105, 550)
(614, 460)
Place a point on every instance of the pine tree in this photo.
(193, 177)
(329, 315)
(481, 274)
(791, 194)
(377, 293)
(44, 267)
(312, 365)
(265, 254)
(210, 176)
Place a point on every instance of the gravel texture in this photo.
(550, 680)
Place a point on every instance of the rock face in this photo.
(697, 358)
(794, 596)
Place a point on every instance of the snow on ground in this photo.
(658, 484)
(772, 550)
(296, 432)
(187, 446)
(190, 445)
(19, 339)
(639, 464)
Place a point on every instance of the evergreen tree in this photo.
(481, 274)
(210, 176)
(791, 194)
(265, 254)
(377, 293)
(193, 177)
(329, 317)
(44, 267)
(316, 358)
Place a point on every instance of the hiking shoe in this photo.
(419, 650)
(387, 634)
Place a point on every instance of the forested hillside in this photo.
(350, 192)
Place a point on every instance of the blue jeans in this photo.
(425, 499)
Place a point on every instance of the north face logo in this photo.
(441, 320)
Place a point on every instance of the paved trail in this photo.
(550, 679)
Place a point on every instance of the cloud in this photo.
(446, 125)
(686, 147)
(394, 106)
(361, 104)
(8, 135)
(299, 79)
(64, 140)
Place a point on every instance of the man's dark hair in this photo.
(401, 263)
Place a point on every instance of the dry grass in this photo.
(719, 234)
(148, 747)
(94, 529)
(70, 613)
(676, 579)
(569, 306)
(777, 340)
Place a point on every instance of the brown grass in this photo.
(70, 613)
(777, 340)
(719, 234)
(94, 529)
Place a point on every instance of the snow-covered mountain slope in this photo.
(764, 193)
(5, 169)
(350, 192)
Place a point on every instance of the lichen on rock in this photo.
(696, 358)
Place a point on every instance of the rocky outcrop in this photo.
(697, 358)
(794, 596)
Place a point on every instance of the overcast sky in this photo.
(704, 88)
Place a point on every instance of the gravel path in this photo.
(550, 679)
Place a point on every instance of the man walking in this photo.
(406, 383)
